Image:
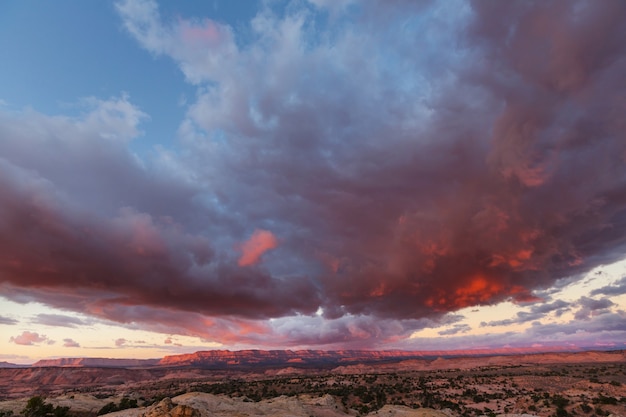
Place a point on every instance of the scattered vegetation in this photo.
(37, 407)
(125, 403)
(544, 390)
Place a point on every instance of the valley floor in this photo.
(545, 390)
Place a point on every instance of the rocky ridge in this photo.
(222, 359)
(195, 404)
(95, 363)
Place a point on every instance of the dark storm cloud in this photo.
(129, 259)
(411, 163)
(485, 199)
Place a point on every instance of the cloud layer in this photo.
(412, 161)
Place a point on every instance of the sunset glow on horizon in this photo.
(305, 174)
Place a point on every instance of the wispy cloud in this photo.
(58, 320)
(8, 320)
(618, 288)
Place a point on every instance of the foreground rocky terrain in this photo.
(196, 404)
(545, 385)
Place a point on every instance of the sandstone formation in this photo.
(95, 362)
(195, 404)
(226, 359)
(166, 408)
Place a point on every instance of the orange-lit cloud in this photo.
(252, 249)
(477, 290)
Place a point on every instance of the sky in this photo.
(323, 174)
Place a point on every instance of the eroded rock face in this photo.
(166, 408)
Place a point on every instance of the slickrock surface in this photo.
(168, 409)
(79, 403)
(401, 411)
(197, 404)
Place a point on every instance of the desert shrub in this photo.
(561, 412)
(599, 411)
(109, 408)
(605, 400)
(559, 401)
(125, 403)
(37, 407)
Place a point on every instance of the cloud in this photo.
(58, 320)
(408, 172)
(618, 288)
(181, 40)
(171, 341)
(252, 249)
(70, 343)
(591, 307)
(7, 320)
(457, 328)
(537, 312)
(30, 338)
(604, 329)
(120, 342)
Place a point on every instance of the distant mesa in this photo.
(95, 363)
(5, 364)
(226, 359)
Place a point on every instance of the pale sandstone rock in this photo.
(402, 411)
(166, 408)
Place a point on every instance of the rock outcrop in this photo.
(226, 359)
(95, 363)
(196, 404)
(166, 408)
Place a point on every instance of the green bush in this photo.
(37, 407)
(124, 404)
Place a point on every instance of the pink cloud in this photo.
(30, 338)
(208, 31)
(252, 249)
(120, 342)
